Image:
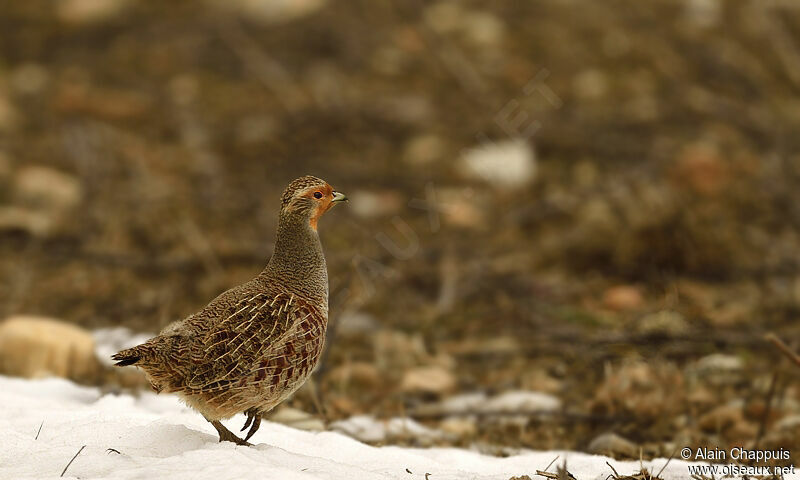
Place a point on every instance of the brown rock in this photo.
(361, 373)
(701, 168)
(649, 392)
(35, 347)
(436, 380)
(613, 445)
(623, 297)
(40, 186)
(721, 418)
(460, 427)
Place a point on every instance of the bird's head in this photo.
(307, 198)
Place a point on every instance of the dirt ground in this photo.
(625, 240)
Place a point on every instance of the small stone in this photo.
(665, 322)
(435, 380)
(423, 149)
(483, 29)
(270, 12)
(623, 298)
(299, 419)
(717, 369)
(643, 390)
(361, 427)
(35, 347)
(507, 164)
(374, 204)
(590, 84)
(89, 11)
(39, 186)
(521, 402)
(459, 427)
(355, 323)
(790, 423)
(35, 224)
(361, 373)
(395, 349)
(613, 445)
(701, 168)
(29, 78)
(722, 417)
(539, 380)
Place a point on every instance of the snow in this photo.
(151, 436)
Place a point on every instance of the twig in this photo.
(39, 431)
(70, 462)
(771, 337)
(767, 408)
(658, 475)
(616, 475)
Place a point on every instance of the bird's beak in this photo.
(339, 197)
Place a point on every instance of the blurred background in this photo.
(571, 224)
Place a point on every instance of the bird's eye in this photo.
(317, 195)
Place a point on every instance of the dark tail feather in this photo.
(126, 357)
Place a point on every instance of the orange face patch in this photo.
(324, 204)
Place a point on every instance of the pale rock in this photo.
(648, 391)
(406, 428)
(521, 402)
(355, 322)
(89, 11)
(717, 369)
(722, 417)
(790, 423)
(369, 429)
(361, 427)
(40, 186)
(395, 349)
(623, 298)
(270, 12)
(374, 204)
(15, 219)
(462, 207)
(362, 373)
(29, 78)
(507, 164)
(423, 149)
(434, 379)
(299, 419)
(666, 322)
(459, 427)
(463, 403)
(591, 84)
(703, 13)
(701, 168)
(539, 380)
(483, 29)
(35, 347)
(613, 445)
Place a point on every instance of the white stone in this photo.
(507, 164)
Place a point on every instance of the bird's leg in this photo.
(251, 413)
(253, 416)
(226, 435)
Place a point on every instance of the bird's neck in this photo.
(298, 262)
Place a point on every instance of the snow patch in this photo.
(151, 436)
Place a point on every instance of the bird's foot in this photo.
(226, 435)
(253, 421)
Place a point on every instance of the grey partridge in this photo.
(255, 344)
